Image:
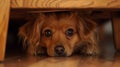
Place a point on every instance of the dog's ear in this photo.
(30, 31)
(85, 26)
(89, 26)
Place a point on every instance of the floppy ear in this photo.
(89, 26)
(30, 31)
(85, 26)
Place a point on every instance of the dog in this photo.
(59, 34)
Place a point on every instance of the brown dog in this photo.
(61, 33)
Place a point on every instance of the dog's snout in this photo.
(60, 50)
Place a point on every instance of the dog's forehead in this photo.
(62, 21)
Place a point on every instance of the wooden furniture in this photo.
(104, 9)
(116, 30)
(4, 17)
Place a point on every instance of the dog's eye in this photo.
(48, 33)
(69, 32)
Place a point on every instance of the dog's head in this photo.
(59, 32)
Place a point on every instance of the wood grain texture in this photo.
(4, 14)
(65, 3)
(116, 30)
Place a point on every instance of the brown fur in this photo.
(83, 37)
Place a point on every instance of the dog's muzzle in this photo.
(59, 50)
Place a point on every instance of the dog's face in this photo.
(59, 33)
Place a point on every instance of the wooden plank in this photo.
(116, 31)
(4, 15)
(65, 3)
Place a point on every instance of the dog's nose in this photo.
(60, 50)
